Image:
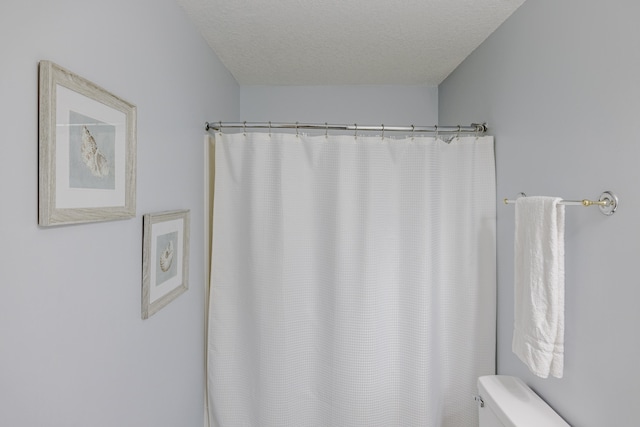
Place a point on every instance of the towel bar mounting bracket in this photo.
(611, 203)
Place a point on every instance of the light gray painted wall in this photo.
(371, 105)
(73, 348)
(558, 86)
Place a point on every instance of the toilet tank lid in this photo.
(515, 404)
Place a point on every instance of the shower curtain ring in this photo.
(436, 126)
(458, 134)
(269, 129)
(244, 128)
(413, 130)
(220, 127)
(297, 135)
(355, 134)
(326, 130)
(383, 131)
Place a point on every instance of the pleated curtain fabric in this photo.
(353, 281)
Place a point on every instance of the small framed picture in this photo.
(87, 154)
(165, 259)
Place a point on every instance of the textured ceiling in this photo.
(335, 42)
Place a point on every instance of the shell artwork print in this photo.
(166, 257)
(92, 156)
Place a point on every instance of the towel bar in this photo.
(608, 202)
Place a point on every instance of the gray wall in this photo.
(73, 348)
(366, 105)
(558, 86)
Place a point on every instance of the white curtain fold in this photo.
(353, 280)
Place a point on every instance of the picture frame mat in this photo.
(158, 290)
(67, 197)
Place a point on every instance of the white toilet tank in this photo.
(506, 401)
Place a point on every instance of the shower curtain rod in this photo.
(476, 128)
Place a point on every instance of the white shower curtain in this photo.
(353, 281)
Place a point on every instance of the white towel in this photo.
(538, 336)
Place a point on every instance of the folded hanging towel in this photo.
(538, 336)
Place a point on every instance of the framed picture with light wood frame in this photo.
(165, 259)
(87, 151)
